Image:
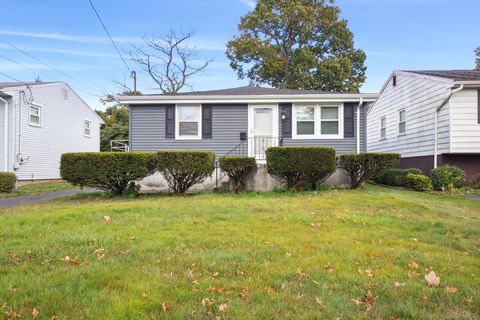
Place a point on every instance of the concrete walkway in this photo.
(16, 201)
(472, 197)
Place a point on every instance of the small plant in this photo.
(115, 172)
(364, 166)
(418, 182)
(388, 177)
(183, 169)
(7, 182)
(238, 170)
(448, 178)
(301, 167)
(475, 182)
(402, 180)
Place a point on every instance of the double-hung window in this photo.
(35, 115)
(402, 122)
(383, 128)
(316, 121)
(188, 124)
(87, 128)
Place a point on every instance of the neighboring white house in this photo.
(38, 123)
(431, 118)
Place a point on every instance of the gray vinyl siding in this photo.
(148, 129)
(342, 146)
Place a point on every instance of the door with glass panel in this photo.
(263, 129)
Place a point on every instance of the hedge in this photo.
(418, 182)
(183, 169)
(388, 177)
(108, 171)
(238, 169)
(448, 178)
(7, 182)
(301, 167)
(362, 167)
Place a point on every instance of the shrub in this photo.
(7, 182)
(418, 182)
(238, 169)
(448, 178)
(475, 182)
(388, 177)
(108, 171)
(364, 166)
(402, 180)
(183, 169)
(301, 167)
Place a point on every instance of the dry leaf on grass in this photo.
(366, 300)
(301, 273)
(35, 313)
(413, 265)
(207, 302)
(166, 307)
(107, 219)
(432, 279)
(369, 272)
(329, 269)
(398, 285)
(315, 225)
(244, 294)
(67, 260)
(319, 302)
(11, 314)
(450, 289)
(223, 307)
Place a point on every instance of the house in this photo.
(39, 122)
(431, 118)
(246, 121)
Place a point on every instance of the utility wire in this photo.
(108, 33)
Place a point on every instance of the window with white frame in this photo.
(383, 128)
(87, 128)
(402, 122)
(315, 121)
(188, 124)
(35, 114)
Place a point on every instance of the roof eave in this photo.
(469, 83)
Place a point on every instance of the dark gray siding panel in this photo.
(148, 129)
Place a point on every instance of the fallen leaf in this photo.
(11, 314)
(217, 290)
(207, 302)
(413, 265)
(35, 313)
(432, 279)
(166, 307)
(132, 237)
(67, 260)
(316, 282)
(320, 302)
(450, 289)
(414, 239)
(215, 275)
(368, 300)
(107, 219)
(357, 301)
(369, 272)
(245, 293)
(300, 273)
(315, 225)
(329, 269)
(223, 307)
(398, 285)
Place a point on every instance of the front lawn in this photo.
(39, 188)
(333, 254)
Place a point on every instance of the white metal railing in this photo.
(119, 145)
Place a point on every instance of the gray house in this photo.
(247, 120)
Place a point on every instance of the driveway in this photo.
(16, 201)
(472, 197)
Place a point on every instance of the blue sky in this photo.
(396, 34)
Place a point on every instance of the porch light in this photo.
(284, 116)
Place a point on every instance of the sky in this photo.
(66, 35)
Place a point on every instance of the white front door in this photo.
(263, 129)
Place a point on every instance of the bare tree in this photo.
(169, 61)
(477, 60)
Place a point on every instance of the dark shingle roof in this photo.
(247, 90)
(456, 75)
(18, 84)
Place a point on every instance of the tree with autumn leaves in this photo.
(297, 44)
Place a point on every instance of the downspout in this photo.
(5, 151)
(358, 124)
(444, 102)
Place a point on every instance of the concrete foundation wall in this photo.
(261, 181)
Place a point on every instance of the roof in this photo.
(247, 90)
(456, 75)
(20, 84)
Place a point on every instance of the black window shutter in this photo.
(286, 110)
(207, 121)
(170, 122)
(349, 119)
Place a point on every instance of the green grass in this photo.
(39, 188)
(258, 253)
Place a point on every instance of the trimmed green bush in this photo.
(238, 169)
(388, 177)
(448, 178)
(362, 167)
(418, 182)
(7, 182)
(109, 171)
(301, 167)
(183, 169)
(402, 180)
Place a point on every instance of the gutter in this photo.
(5, 137)
(444, 102)
(358, 124)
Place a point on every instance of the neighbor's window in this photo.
(402, 122)
(329, 120)
(87, 128)
(305, 120)
(188, 123)
(383, 128)
(35, 115)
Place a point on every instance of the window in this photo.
(35, 116)
(318, 122)
(87, 128)
(383, 128)
(394, 81)
(402, 122)
(188, 122)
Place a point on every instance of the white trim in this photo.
(177, 123)
(40, 114)
(251, 117)
(89, 128)
(5, 138)
(318, 122)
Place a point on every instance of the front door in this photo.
(263, 129)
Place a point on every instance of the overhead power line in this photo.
(109, 36)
